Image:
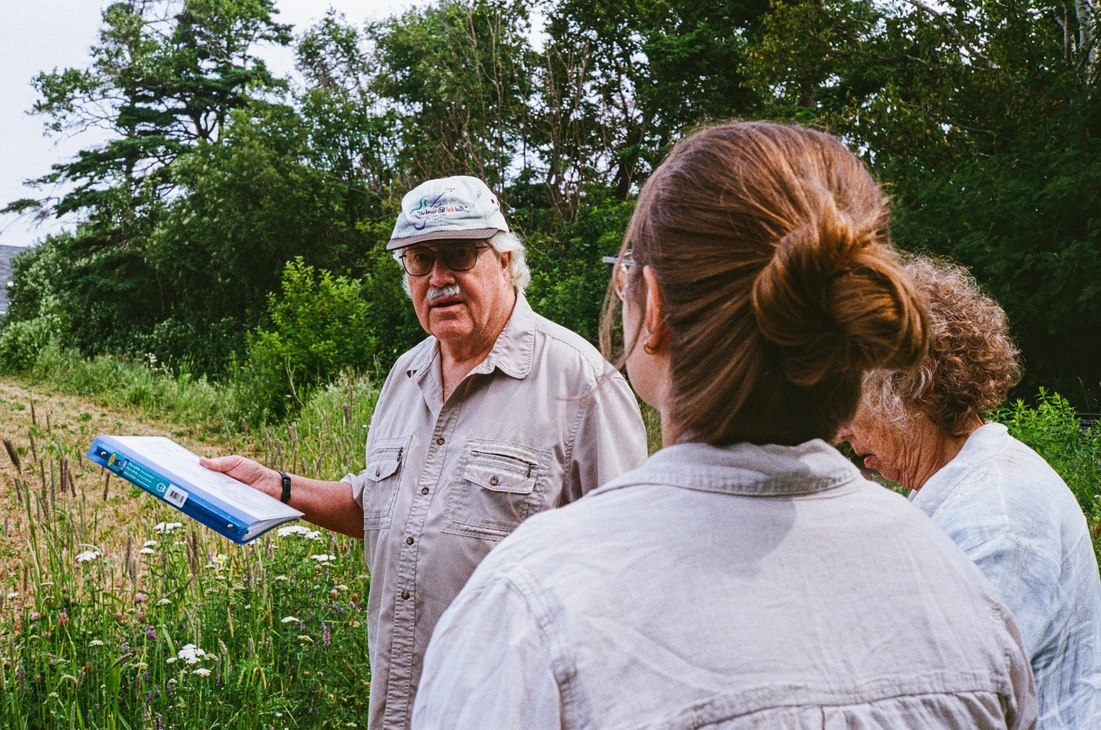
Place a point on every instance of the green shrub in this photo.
(1053, 430)
(320, 327)
(23, 341)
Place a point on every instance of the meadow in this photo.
(117, 612)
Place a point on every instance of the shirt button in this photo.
(439, 441)
(405, 595)
(424, 490)
(493, 481)
(378, 471)
(408, 541)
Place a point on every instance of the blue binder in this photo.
(123, 456)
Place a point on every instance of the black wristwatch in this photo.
(286, 496)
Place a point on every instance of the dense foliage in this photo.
(979, 117)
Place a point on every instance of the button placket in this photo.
(404, 628)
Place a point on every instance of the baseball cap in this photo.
(448, 207)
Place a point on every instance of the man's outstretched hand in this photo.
(248, 471)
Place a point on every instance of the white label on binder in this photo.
(175, 496)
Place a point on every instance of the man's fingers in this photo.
(222, 463)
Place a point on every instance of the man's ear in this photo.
(506, 263)
(656, 325)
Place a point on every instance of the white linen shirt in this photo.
(735, 588)
(1015, 517)
(540, 422)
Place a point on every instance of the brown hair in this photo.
(770, 244)
(972, 361)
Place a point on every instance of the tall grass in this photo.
(174, 626)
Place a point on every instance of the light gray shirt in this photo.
(1013, 515)
(733, 588)
(543, 420)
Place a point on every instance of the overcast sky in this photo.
(46, 34)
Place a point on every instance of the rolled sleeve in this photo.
(610, 439)
(488, 665)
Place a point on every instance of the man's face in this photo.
(461, 307)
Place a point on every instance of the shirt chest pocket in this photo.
(497, 486)
(385, 463)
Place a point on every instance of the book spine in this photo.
(180, 497)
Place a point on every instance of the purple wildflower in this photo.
(325, 635)
(151, 633)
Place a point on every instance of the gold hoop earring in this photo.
(649, 349)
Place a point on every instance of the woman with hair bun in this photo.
(746, 576)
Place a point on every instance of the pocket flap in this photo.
(497, 475)
(383, 467)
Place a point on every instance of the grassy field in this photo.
(115, 615)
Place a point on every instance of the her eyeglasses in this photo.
(621, 267)
(461, 256)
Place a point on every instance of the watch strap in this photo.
(285, 498)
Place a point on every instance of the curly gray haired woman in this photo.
(995, 497)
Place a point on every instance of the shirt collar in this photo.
(512, 353)
(745, 469)
(985, 442)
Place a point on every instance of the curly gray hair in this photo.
(972, 361)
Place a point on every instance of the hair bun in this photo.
(835, 299)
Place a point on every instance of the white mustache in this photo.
(439, 292)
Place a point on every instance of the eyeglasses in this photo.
(621, 268)
(462, 256)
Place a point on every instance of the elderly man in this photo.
(499, 414)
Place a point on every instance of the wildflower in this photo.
(150, 543)
(170, 660)
(305, 532)
(279, 577)
(333, 594)
(218, 560)
(165, 527)
(291, 620)
(323, 558)
(140, 617)
(12, 595)
(191, 654)
(53, 695)
(325, 635)
(35, 615)
(63, 619)
(147, 551)
(88, 556)
(163, 602)
(150, 633)
(118, 616)
(139, 598)
(305, 639)
(201, 671)
(141, 665)
(95, 642)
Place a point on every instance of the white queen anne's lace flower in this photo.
(88, 556)
(163, 602)
(305, 532)
(147, 551)
(166, 527)
(291, 620)
(95, 642)
(151, 543)
(190, 654)
(323, 558)
(201, 671)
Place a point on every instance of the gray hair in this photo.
(502, 242)
(972, 361)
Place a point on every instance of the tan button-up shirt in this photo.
(543, 420)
